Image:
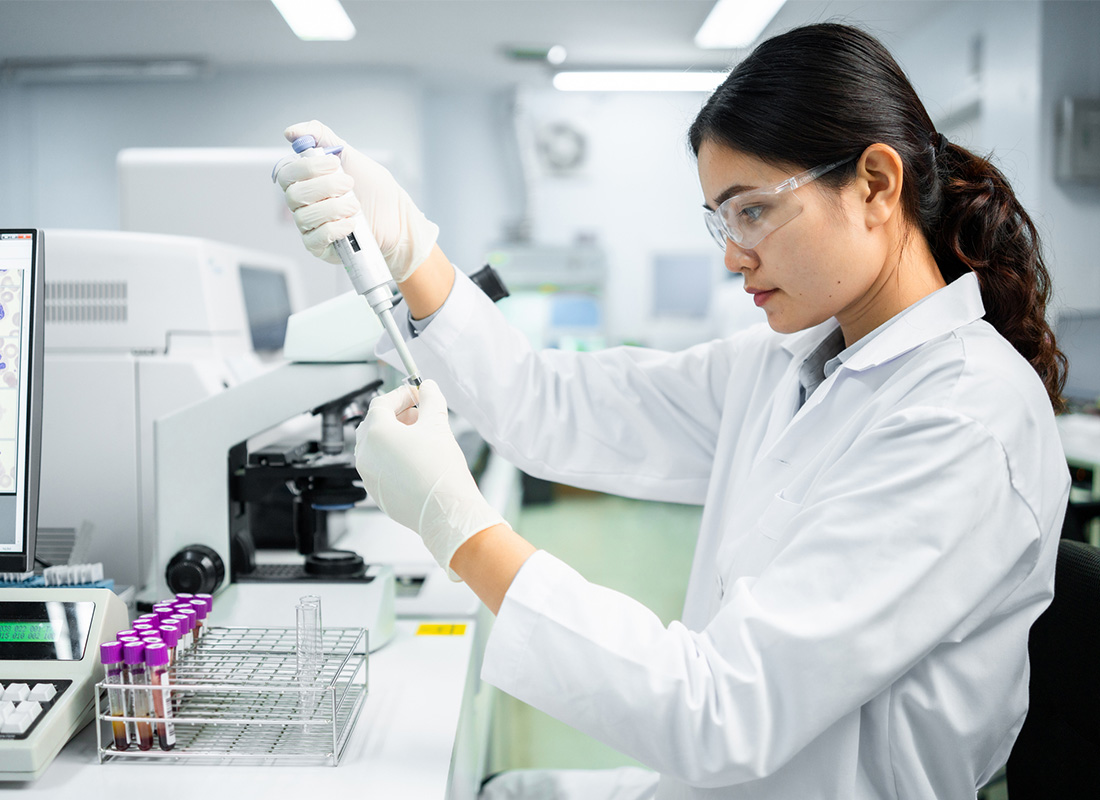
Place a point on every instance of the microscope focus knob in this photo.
(196, 569)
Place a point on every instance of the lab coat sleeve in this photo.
(913, 538)
(627, 420)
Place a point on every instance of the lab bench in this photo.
(421, 734)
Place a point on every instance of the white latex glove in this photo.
(414, 469)
(320, 196)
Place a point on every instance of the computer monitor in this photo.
(267, 304)
(1078, 336)
(21, 345)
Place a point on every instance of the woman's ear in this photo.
(879, 176)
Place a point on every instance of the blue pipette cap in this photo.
(303, 143)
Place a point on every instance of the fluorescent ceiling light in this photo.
(637, 81)
(316, 20)
(74, 70)
(736, 23)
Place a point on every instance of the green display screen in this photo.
(26, 632)
(44, 630)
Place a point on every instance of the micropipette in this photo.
(364, 263)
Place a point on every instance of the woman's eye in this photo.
(751, 213)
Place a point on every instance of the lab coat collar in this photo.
(947, 309)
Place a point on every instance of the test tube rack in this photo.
(240, 700)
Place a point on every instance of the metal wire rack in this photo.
(237, 698)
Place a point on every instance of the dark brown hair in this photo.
(824, 93)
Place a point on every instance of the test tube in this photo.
(163, 610)
(192, 621)
(170, 635)
(110, 655)
(185, 632)
(133, 657)
(309, 653)
(138, 627)
(209, 598)
(156, 659)
(127, 632)
(201, 610)
(309, 637)
(147, 617)
(184, 596)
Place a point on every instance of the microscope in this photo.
(252, 483)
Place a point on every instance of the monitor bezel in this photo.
(23, 561)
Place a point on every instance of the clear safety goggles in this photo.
(747, 218)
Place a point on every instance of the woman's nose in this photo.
(738, 259)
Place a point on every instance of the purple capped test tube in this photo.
(110, 655)
(156, 659)
(133, 658)
(184, 624)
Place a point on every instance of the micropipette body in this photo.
(364, 264)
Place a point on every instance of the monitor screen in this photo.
(267, 304)
(1078, 336)
(21, 259)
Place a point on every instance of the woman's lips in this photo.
(761, 297)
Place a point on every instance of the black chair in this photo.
(1057, 755)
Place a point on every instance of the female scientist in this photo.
(882, 479)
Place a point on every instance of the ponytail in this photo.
(983, 228)
(824, 93)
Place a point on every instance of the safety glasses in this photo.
(747, 218)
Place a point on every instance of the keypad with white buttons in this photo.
(23, 704)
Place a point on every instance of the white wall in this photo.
(1071, 212)
(638, 193)
(1034, 53)
(59, 164)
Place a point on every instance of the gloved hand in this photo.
(412, 466)
(321, 198)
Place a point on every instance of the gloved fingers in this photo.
(409, 416)
(303, 169)
(319, 240)
(393, 403)
(432, 402)
(318, 130)
(316, 214)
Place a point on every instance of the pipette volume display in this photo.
(364, 264)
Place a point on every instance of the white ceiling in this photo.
(442, 41)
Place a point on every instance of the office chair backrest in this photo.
(1057, 754)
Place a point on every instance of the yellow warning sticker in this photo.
(441, 630)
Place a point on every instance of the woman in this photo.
(882, 479)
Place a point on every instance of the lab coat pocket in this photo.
(777, 517)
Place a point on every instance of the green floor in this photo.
(641, 549)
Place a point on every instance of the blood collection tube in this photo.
(201, 610)
(110, 655)
(193, 620)
(133, 657)
(185, 632)
(163, 610)
(151, 636)
(209, 598)
(183, 596)
(150, 617)
(143, 626)
(156, 659)
(170, 635)
(127, 632)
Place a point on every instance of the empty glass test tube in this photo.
(309, 653)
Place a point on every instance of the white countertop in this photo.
(404, 744)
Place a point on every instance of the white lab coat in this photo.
(867, 568)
